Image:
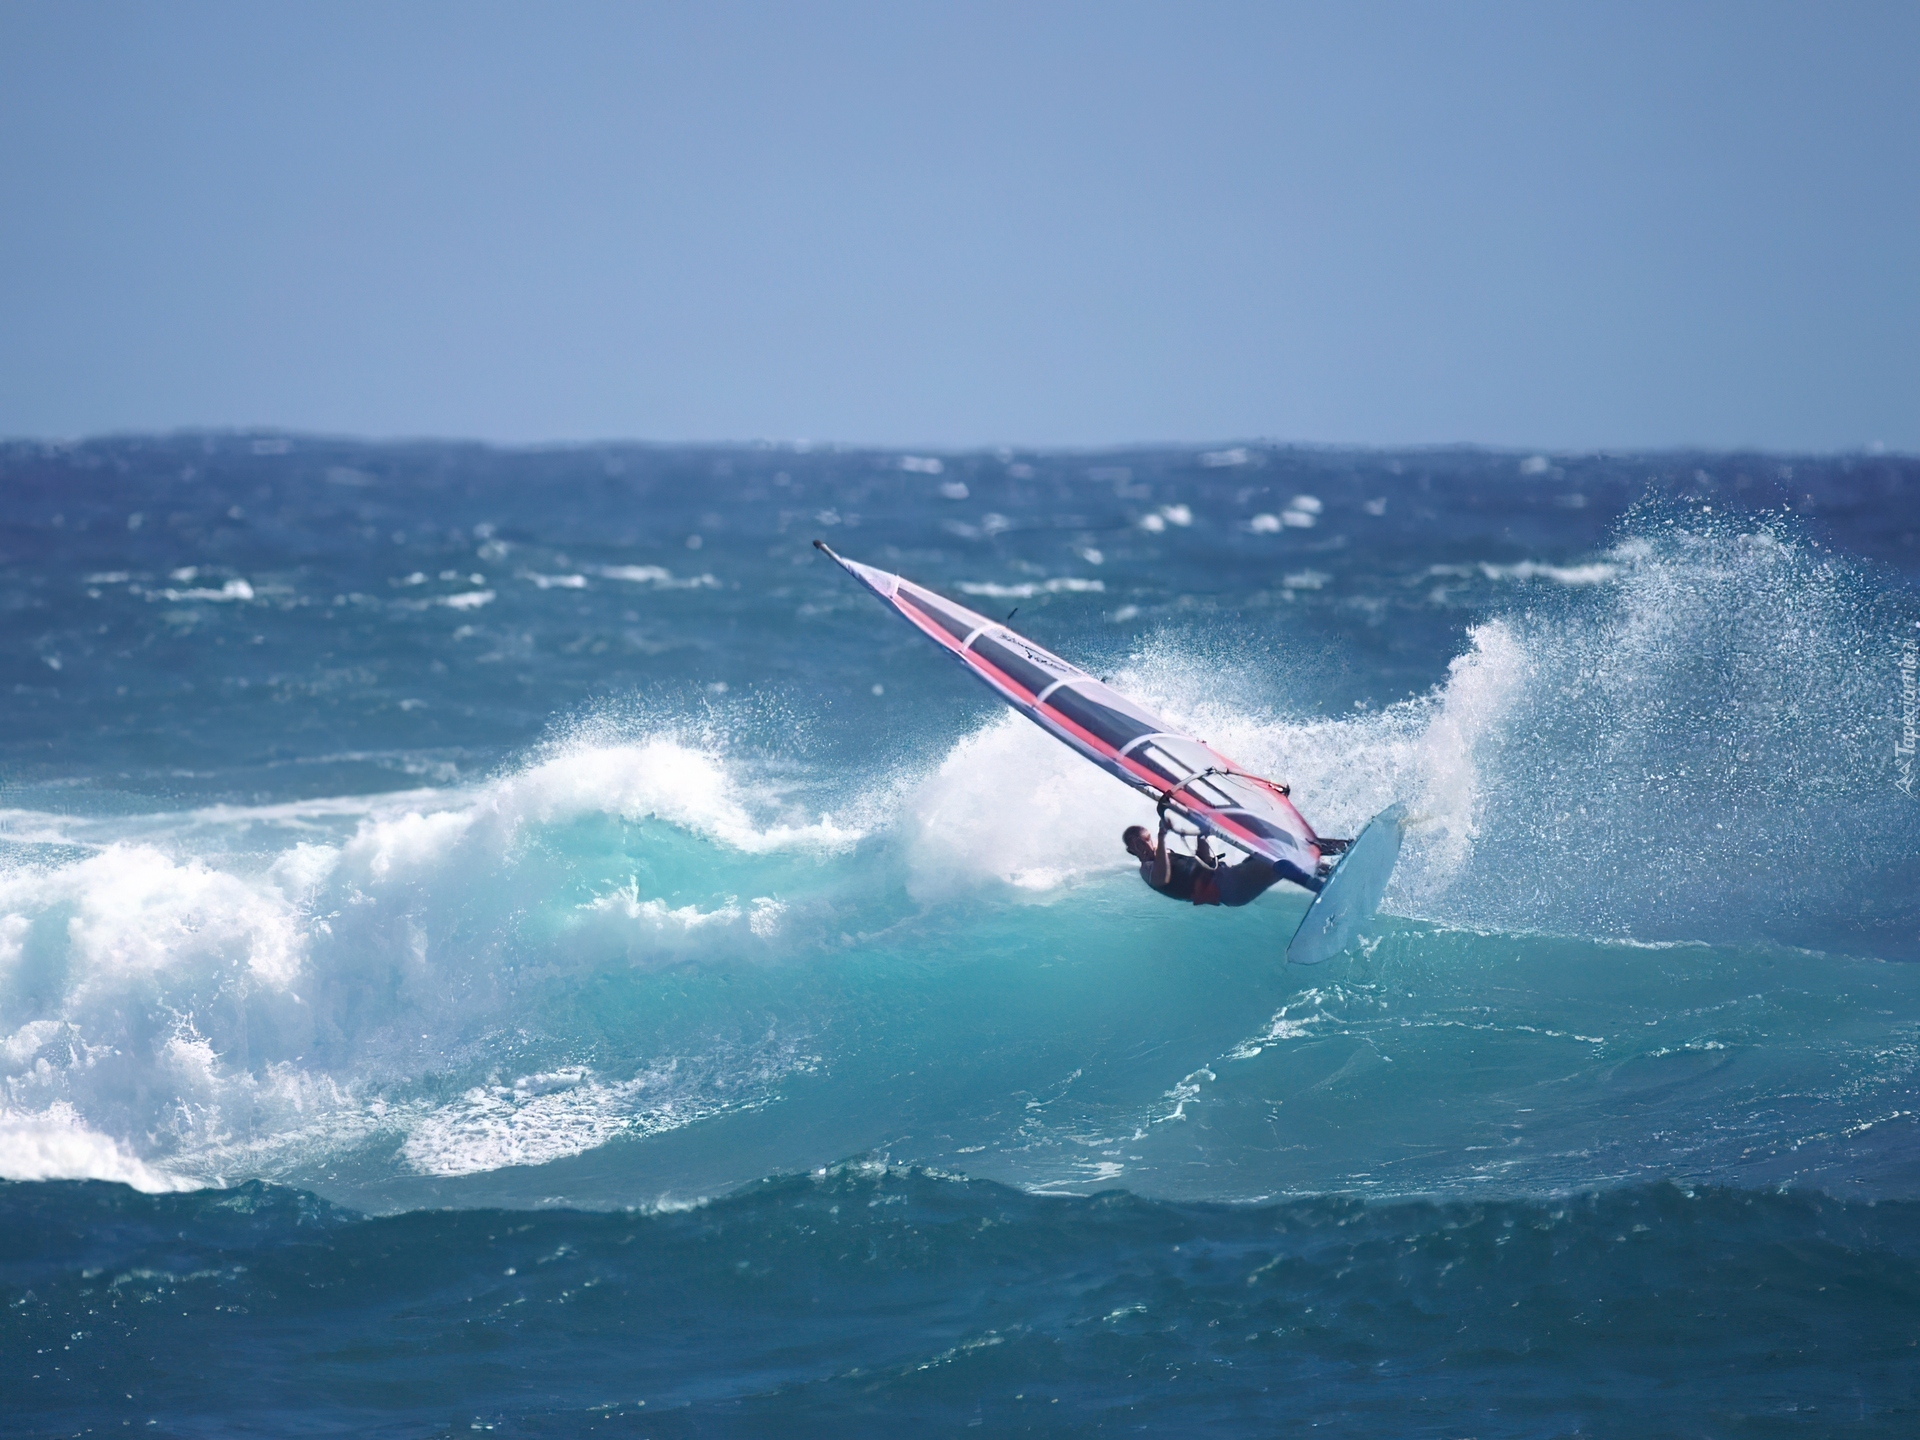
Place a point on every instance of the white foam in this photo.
(553, 1115)
(55, 1144)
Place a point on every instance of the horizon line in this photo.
(800, 446)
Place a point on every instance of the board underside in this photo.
(1352, 893)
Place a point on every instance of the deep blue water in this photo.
(493, 938)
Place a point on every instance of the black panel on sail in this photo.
(1013, 664)
(1115, 727)
(955, 625)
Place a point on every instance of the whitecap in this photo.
(1026, 590)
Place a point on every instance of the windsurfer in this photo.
(1202, 877)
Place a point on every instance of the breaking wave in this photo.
(641, 934)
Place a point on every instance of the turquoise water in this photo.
(492, 938)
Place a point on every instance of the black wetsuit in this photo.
(1231, 885)
(1185, 872)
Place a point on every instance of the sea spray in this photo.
(1692, 755)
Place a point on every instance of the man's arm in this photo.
(1162, 873)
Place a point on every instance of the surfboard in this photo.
(1352, 893)
(1125, 739)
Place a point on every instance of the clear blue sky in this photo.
(1531, 224)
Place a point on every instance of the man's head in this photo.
(1138, 842)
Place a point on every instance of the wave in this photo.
(241, 982)
(647, 935)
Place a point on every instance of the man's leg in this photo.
(1254, 876)
(1315, 883)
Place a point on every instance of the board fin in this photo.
(1352, 893)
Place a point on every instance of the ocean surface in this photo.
(515, 941)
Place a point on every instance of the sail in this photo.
(1121, 737)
